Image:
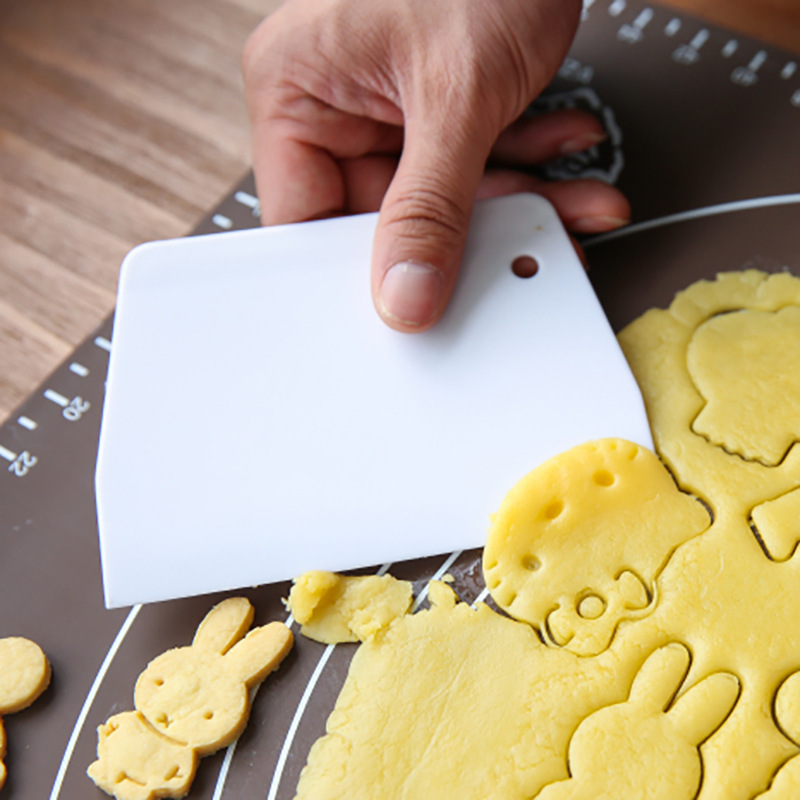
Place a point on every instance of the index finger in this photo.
(295, 181)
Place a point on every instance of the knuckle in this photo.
(426, 211)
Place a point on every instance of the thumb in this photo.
(423, 223)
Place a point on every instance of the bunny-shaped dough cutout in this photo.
(190, 702)
(24, 675)
(647, 747)
(198, 695)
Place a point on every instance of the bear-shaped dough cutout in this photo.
(576, 546)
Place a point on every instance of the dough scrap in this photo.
(335, 608)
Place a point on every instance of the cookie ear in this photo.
(259, 653)
(224, 625)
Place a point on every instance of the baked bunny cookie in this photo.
(190, 702)
(24, 675)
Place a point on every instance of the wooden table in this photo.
(124, 121)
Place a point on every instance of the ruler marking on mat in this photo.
(221, 221)
(56, 397)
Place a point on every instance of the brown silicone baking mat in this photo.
(704, 130)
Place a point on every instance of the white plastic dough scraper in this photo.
(261, 421)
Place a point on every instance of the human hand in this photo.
(647, 747)
(401, 105)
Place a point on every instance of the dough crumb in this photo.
(334, 608)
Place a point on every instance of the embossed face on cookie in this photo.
(188, 697)
(577, 545)
(199, 695)
(746, 366)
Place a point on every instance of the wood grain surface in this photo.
(123, 121)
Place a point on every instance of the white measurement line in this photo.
(643, 19)
(758, 60)
(246, 199)
(298, 714)
(87, 703)
(788, 70)
(7, 454)
(617, 7)
(226, 762)
(221, 221)
(54, 397)
(481, 597)
(79, 369)
(103, 343)
(223, 771)
(437, 576)
(700, 38)
(634, 33)
(672, 27)
(697, 213)
(731, 46)
(28, 423)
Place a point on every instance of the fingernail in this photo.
(411, 292)
(581, 143)
(597, 224)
